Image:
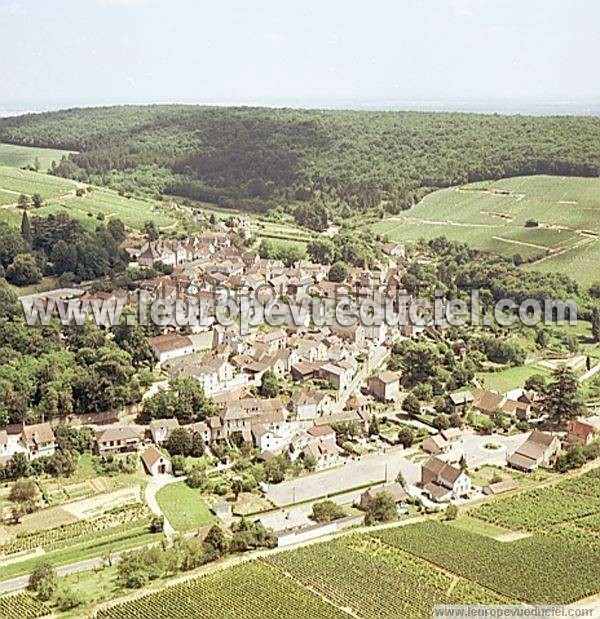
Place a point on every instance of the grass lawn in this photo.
(184, 507)
(467, 523)
(93, 587)
(510, 378)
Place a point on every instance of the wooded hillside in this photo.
(254, 157)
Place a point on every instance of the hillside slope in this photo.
(351, 161)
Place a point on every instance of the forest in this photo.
(348, 161)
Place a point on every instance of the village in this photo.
(320, 411)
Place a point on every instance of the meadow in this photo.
(59, 195)
(21, 156)
(492, 216)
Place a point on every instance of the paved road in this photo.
(369, 469)
(379, 354)
(477, 455)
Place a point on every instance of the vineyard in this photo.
(21, 606)
(76, 532)
(249, 590)
(543, 570)
(378, 580)
(551, 509)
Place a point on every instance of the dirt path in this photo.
(523, 243)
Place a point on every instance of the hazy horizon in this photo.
(470, 55)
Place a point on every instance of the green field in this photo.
(20, 156)
(60, 196)
(184, 507)
(491, 216)
(567, 508)
(510, 378)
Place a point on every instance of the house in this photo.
(39, 440)
(338, 376)
(171, 345)
(435, 445)
(161, 429)
(500, 487)
(394, 489)
(486, 401)
(201, 428)
(452, 435)
(325, 452)
(321, 433)
(540, 449)
(117, 440)
(156, 462)
(309, 404)
(267, 439)
(394, 250)
(360, 404)
(385, 386)
(460, 400)
(580, 432)
(442, 481)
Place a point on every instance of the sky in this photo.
(68, 52)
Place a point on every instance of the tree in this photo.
(338, 272)
(150, 230)
(12, 243)
(64, 257)
(313, 216)
(326, 511)
(269, 386)
(381, 508)
(24, 492)
(26, 228)
(321, 251)
(67, 599)
(23, 271)
(563, 400)
(406, 436)
(441, 422)
(236, 487)
(411, 405)
(215, 543)
(536, 382)
(37, 200)
(43, 581)
(23, 202)
(198, 446)
(596, 323)
(180, 442)
(116, 228)
(451, 512)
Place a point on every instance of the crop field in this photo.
(20, 156)
(60, 196)
(491, 216)
(378, 580)
(21, 606)
(548, 510)
(77, 532)
(542, 570)
(249, 590)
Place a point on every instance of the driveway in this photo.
(369, 469)
(154, 485)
